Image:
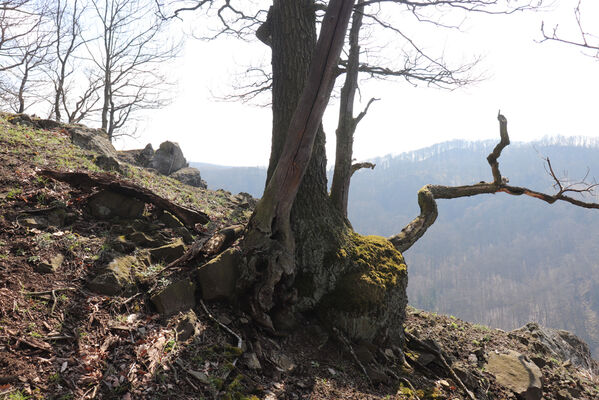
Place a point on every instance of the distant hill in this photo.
(492, 259)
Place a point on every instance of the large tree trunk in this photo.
(313, 260)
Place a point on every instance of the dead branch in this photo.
(358, 166)
(428, 195)
(105, 181)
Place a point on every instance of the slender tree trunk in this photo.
(21, 94)
(347, 123)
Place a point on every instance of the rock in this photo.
(244, 200)
(107, 163)
(190, 176)
(55, 218)
(184, 233)
(107, 204)
(559, 344)
(34, 221)
(251, 361)
(169, 252)
(217, 277)
(282, 362)
(168, 158)
(169, 220)
(145, 156)
(141, 239)
(177, 296)
(116, 277)
(50, 266)
(21, 119)
(95, 140)
(517, 373)
(187, 326)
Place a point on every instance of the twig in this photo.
(437, 351)
(131, 298)
(226, 328)
(191, 384)
(353, 353)
(55, 299)
(47, 292)
(407, 382)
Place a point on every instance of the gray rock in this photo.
(107, 205)
(559, 344)
(55, 219)
(49, 266)
(145, 156)
(107, 163)
(185, 234)
(145, 240)
(217, 277)
(169, 252)
(116, 277)
(517, 373)
(190, 176)
(177, 296)
(251, 361)
(168, 158)
(95, 140)
(170, 220)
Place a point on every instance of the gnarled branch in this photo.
(428, 195)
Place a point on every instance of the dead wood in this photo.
(105, 181)
(428, 195)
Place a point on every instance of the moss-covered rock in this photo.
(175, 297)
(369, 300)
(169, 252)
(118, 276)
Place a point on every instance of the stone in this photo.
(116, 277)
(141, 239)
(190, 176)
(107, 204)
(217, 278)
(251, 361)
(187, 326)
(175, 297)
(516, 372)
(184, 233)
(49, 266)
(559, 344)
(55, 219)
(145, 156)
(96, 140)
(169, 252)
(168, 158)
(107, 163)
(169, 220)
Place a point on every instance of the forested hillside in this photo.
(495, 259)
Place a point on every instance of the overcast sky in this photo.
(544, 89)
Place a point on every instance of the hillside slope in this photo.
(63, 336)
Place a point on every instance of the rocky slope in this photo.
(105, 295)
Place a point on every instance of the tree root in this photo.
(346, 342)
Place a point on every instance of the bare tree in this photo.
(67, 19)
(133, 44)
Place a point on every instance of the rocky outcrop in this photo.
(190, 176)
(555, 343)
(168, 158)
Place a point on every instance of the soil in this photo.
(59, 340)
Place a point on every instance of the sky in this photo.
(544, 89)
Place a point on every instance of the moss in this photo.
(376, 266)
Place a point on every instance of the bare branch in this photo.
(358, 166)
(428, 195)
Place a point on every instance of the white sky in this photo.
(542, 88)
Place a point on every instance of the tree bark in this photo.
(270, 228)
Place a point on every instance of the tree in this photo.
(308, 258)
(133, 43)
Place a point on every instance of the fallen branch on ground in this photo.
(105, 181)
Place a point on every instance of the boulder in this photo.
(55, 218)
(555, 343)
(169, 252)
(217, 277)
(168, 158)
(116, 277)
(95, 140)
(516, 372)
(107, 163)
(141, 239)
(175, 297)
(145, 155)
(107, 204)
(49, 266)
(187, 326)
(190, 176)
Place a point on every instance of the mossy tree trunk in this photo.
(299, 248)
